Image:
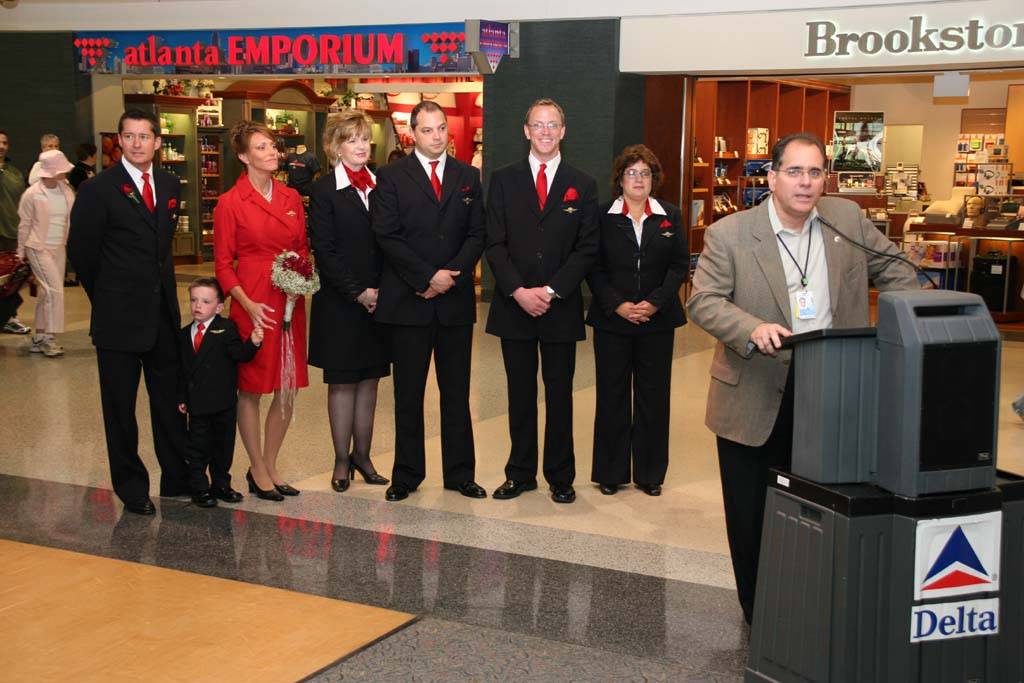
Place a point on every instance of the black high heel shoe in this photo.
(341, 485)
(272, 494)
(286, 489)
(369, 477)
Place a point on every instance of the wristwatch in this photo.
(552, 292)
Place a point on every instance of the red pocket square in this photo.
(466, 188)
(665, 224)
(171, 203)
(571, 195)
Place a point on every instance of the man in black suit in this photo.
(542, 238)
(428, 216)
(211, 350)
(122, 225)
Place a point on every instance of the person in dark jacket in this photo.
(211, 350)
(85, 167)
(541, 241)
(344, 339)
(642, 263)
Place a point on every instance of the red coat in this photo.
(248, 233)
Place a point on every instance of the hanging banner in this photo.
(857, 140)
(389, 49)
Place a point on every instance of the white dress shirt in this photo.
(425, 162)
(136, 175)
(206, 328)
(810, 237)
(549, 170)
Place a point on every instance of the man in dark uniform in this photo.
(428, 216)
(122, 225)
(542, 238)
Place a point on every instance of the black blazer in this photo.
(349, 262)
(663, 258)
(419, 235)
(209, 382)
(122, 254)
(527, 247)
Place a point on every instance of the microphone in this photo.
(889, 257)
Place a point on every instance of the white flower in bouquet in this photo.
(295, 276)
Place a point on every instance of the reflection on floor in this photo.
(640, 583)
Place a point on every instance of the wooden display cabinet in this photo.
(726, 109)
(213, 146)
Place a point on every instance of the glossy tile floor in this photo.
(619, 588)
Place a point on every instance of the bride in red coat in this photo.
(255, 221)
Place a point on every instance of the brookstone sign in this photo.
(825, 40)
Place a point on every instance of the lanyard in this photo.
(807, 259)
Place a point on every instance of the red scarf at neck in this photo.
(360, 179)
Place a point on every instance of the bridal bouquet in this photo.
(295, 276)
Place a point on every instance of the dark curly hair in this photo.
(631, 155)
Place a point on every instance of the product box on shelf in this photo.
(757, 141)
(756, 167)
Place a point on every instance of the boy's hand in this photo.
(182, 408)
(257, 335)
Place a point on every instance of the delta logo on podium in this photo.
(957, 556)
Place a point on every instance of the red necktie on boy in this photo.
(197, 341)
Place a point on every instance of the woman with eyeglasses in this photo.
(642, 263)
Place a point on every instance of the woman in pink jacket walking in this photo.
(44, 213)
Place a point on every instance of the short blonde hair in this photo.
(49, 139)
(544, 102)
(340, 127)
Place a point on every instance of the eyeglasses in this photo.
(538, 126)
(633, 173)
(141, 137)
(795, 172)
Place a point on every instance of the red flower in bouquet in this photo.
(570, 195)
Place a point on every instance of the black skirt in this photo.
(345, 341)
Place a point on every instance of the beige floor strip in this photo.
(66, 616)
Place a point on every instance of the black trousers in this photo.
(558, 365)
(745, 474)
(119, 387)
(634, 377)
(452, 348)
(211, 444)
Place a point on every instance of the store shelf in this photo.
(701, 164)
(211, 175)
(215, 154)
(699, 189)
(174, 161)
(727, 157)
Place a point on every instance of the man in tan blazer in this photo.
(786, 266)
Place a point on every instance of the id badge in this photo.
(803, 303)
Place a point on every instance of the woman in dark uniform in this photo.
(345, 341)
(641, 265)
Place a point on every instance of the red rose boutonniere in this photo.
(129, 192)
(172, 204)
(570, 195)
(665, 224)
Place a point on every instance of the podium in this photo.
(892, 550)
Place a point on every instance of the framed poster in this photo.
(857, 141)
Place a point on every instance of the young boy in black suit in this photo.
(211, 349)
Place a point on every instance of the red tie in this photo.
(542, 186)
(434, 180)
(198, 340)
(147, 195)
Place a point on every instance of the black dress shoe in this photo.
(226, 494)
(204, 499)
(512, 489)
(562, 493)
(370, 475)
(269, 494)
(286, 489)
(144, 507)
(470, 489)
(395, 493)
(341, 485)
(650, 489)
(608, 489)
